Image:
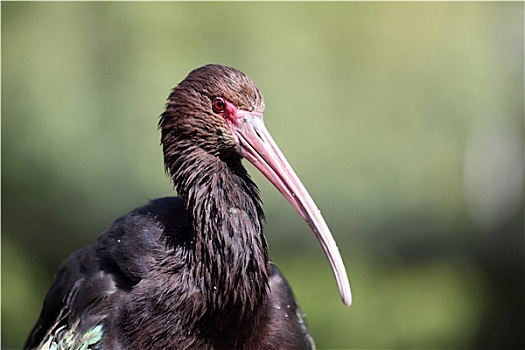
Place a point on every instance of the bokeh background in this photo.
(404, 121)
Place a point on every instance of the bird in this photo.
(192, 271)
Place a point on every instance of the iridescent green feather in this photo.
(68, 339)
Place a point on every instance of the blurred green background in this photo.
(404, 121)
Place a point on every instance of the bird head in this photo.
(204, 109)
(219, 110)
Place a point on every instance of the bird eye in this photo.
(218, 105)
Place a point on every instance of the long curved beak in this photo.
(258, 147)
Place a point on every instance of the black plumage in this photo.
(188, 272)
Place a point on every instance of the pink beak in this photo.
(258, 147)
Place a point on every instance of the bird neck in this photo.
(228, 255)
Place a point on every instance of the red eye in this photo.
(218, 105)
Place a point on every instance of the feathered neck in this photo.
(228, 254)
